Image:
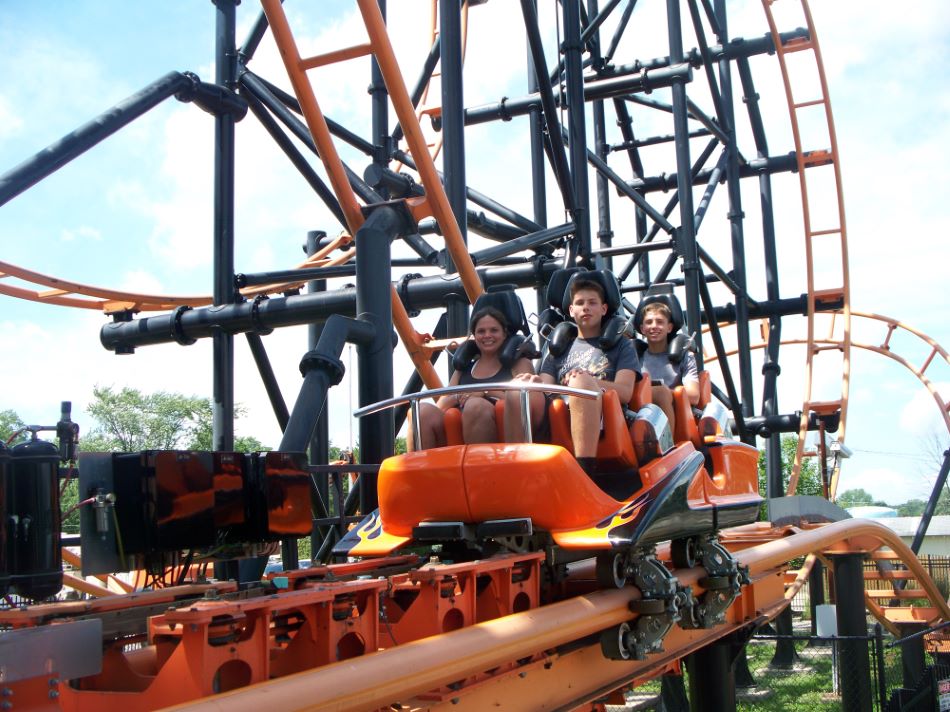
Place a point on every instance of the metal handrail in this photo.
(524, 388)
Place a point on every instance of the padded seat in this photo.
(453, 424)
(614, 449)
(686, 428)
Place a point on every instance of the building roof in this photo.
(907, 526)
(869, 512)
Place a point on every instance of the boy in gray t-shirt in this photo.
(656, 325)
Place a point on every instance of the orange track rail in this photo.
(565, 680)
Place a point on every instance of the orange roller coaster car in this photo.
(536, 495)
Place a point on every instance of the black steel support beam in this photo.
(538, 180)
(685, 235)
(375, 358)
(74, 144)
(296, 157)
(931, 504)
(533, 241)
(222, 411)
(432, 59)
(712, 683)
(718, 19)
(266, 371)
(601, 149)
(321, 368)
(577, 125)
(645, 237)
(319, 450)
(852, 623)
(753, 167)
(770, 365)
(453, 143)
(279, 108)
(379, 97)
(482, 200)
(548, 105)
(738, 49)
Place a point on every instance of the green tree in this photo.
(855, 498)
(912, 508)
(130, 420)
(809, 479)
(10, 423)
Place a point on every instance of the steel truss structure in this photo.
(632, 153)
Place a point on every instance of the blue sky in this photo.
(134, 212)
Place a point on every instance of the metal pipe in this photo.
(774, 477)
(852, 623)
(322, 369)
(712, 684)
(642, 236)
(294, 275)
(296, 157)
(185, 325)
(424, 78)
(382, 142)
(751, 168)
(615, 85)
(931, 503)
(482, 200)
(627, 190)
(352, 182)
(604, 232)
(319, 450)
(436, 198)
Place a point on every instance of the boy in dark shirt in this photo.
(584, 365)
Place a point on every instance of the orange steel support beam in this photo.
(312, 113)
(335, 56)
(407, 670)
(435, 196)
(80, 584)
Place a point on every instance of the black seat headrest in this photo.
(557, 286)
(504, 299)
(606, 280)
(661, 292)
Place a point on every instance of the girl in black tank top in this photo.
(489, 330)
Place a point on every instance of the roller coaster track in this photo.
(800, 101)
(560, 668)
(891, 332)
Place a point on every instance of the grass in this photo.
(806, 688)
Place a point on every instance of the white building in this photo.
(937, 539)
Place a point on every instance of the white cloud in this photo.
(888, 485)
(10, 121)
(81, 233)
(921, 414)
